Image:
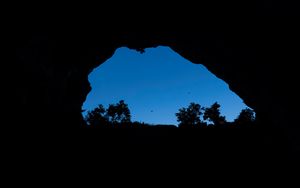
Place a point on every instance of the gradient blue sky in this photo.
(156, 84)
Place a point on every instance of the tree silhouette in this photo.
(114, 115)
(213, 115)
(246, 118)
(190, 116)
(118, 113)
(96, 117)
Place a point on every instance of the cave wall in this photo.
(53, 65)
(61, 65)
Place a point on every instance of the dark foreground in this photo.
(143, 153)
(190, 145)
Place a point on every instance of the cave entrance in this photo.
(156, 84)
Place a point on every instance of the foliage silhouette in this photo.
(194, 116)
(190, 117)
(115, 115)
(213, 115)
(245, 119)
(97, 117)
(118, 113)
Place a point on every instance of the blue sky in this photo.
(156, 84)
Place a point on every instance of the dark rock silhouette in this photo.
(244, 47)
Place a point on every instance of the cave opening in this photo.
(156, 84)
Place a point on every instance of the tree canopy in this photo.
(213, 115)
(246, 118)
(193, 116)
(114, 115)
(190, 116)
